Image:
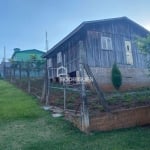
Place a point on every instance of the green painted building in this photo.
(27, 55)
(20, 59)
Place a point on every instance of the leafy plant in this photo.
(116, 77)
(144, 46)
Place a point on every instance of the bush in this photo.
(116, 77)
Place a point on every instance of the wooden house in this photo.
(104, 42)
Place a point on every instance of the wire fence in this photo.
(31, 77)
(27, 75)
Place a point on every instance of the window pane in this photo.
(106, 43)
(109, 43)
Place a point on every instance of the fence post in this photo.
(28, 77)
(47, 84)
(11, 78)
(64, 82)
(84, 104)
(14, 74)
(43, 97)
(20, 71)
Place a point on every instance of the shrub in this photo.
(116, 77)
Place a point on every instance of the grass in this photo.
(15, 104)
(25, 126)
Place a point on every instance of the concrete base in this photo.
(132, 78)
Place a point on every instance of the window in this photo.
(64, 60)
(129, 56)
(106, 43)
(49, 63)
(59, 57)
(61, 71)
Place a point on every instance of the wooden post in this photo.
(64, 93)
(43, 97)
(47, 84)
(44, 91)
(4, 64)
(29, 83)
(11, 78)
(64, 82)
(19, 68)
(84, 102)
(28, 77)
(14, 73)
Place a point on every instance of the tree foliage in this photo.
(116, 77)
(144, 44)
(33, 57)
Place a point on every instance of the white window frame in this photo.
(106, 43)
(49, 62)
(59, 57)
(62, 71)
(128, 49)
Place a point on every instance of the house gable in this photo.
(92, 25)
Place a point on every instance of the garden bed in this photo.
(105, 121)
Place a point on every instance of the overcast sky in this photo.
(24, 22)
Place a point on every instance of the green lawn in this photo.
(25, 126)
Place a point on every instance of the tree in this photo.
(116, 76)
(144, 46)
(33, 57)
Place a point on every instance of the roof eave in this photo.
(64, 39)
